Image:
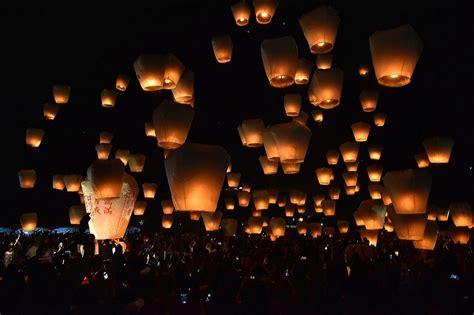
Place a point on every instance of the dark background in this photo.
(86, 47)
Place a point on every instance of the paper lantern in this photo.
(73, 182)
(326, 87)
(292, 140)
(233, 179)
(350, 190)
(318, 209)
(357, 187)
(229, 226)
(409, 190)
(246, 187)
(196, 173)
(334, 192)
(358, 218)
(229, 203)
(150, 129)
(76, 213)
(255, 225)
(368, 100)
(149, 190)
(438, 149)
(173, 69)
(324, 175)
(270, 146)
(297, 197)
(278, 226)
(280, 60)
(292, 104)
(361, 131)
(260, 199)
(268, 167)
(34, 137)
(183, 93)
(29, 221)
(136, 162)
(379, 119)
(106, 178)
(320, 28)
(167, 221)
(290, 168)
(318, 199)
(332, 156)
(461, 214)
(350, 178)
(222, 46)
(408, 226)
(349, 151)
(317, 115)
(302, 118)
(324, 62)
(150, 69)
(105, 137)
(212, 221)
(329, 207)
(352, 166)
(50, 110)
(395, 53)
(264, 10)
(122, 81)
(302, 228)
(122, 155)
(252, 130)
(273, 195)
(58, 182)
(27, 178)
(375, 152)
(315, 229)
(343, 226)
(108, 98)
(388, 226)
(375, 173)
(290, 210)
(241, 11)
(371, 236)
(172, 122)
(194, 215)
(431, 213)
(387, 200)
(430, 237)
(61, 93)
(167, 206)
(422, 160)
(109, 217)
(301, 209)
(372, 212)
(303, 71)
(281, 201)
(364, 70)
(103, 151)
(375, 191)
(255, 213)
(442, 214)
(459, 235)
(139, 208)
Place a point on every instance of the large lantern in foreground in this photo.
(183, 93)
(27, 178)
(106, 177)
(292, 140)
(349, 151)
(461, 214)
(61, 93)
(76, 213)
(241, 11)
(252, 132)
(368, 100)
(264, 10)
(34, 137)
(395, 53)
(195, 174)
(438, 149)
(29, 221)
(320, 28)
(430, 237)
(303, 71)
(292, 104)
(150, 69)
(222, 46)
(280, 60)
(326, 87)
(212, 221)
(172, 122)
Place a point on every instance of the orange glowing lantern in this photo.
(430, 237)
(324, 175)
(50, 110)
(292, 104)
(315, 229)
(270, 146)
(329, 207)
(268, 167)
(375, 173)
(73, 182)
(76, 213)
(361, 131)
(292, 140)
(290, 210)
(281, 201)
(103, 151)
(438, 149)
(461, 214)
(108, 98)
(364, 70)
(122, 81)
(358, 218)
(343, 226)
(173, 69)
(58, 182)
(149, 190)
(326, 87)
(280, 60)
(290, 168)
(302, 118)
(229, 203)
(303, 71)
(317, 115)
(212, 221)
(272, 195)
(183, 93)
(332, 156)
(459, 235)
(105, 137)
(264, 10)
(34, 137)
(252, 130)
(320, 28)
(194, 215)
(278, 226)
(255, 225)
(350, 190)
(375, 191)
(229, 226)
(334, 192)
(422, 160)
(324, 62)
(172, 122)
(297, 197)
(246, 187)
(222, 46)
(106, 178)
(167, 221)
(150, 69)
(136, 162)
(150, 129)
(139, 208)
(61, 93)
(27, 178)
(233, 179)
(352, 166)
(29, 221)
(368, 100)
(122, 155)
(241, 11)
(349, 151)
(375, 152)
(379, 119)
(260, 199)
(167, 206)
(369, 235)
(350, 178)
(372, 212)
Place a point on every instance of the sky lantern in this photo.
(349, 151)
(27, 178)
(268, 167)
(255, 225)
(343, 226)
(150, 69)
(183, 93)
(303, 71)
(318, 199)
(105, 137)
(409, 227)
(292, 104)
(375, 173)
(270, 146)
(422, 160)
(229, 203)
(329, 207)
(233, 179)
(352, 166)
(195, 174)
(350, 190)
(139, 207)
(33, 137)
(173, 69)
(315, 229)
(106, 178)
(332, 156)
(326, 87)
(334, 192)
(461, 214)
(373, 213)
(108, 98)
(290, 210)
(255, 213)
(317, 115)
(76, 213)
(350, 178)
(260, 199)
(364, 70)
(264, 10)
(320, 28)
(459, 235)
(167, 221)
(222, 46)
(281, 200)
(136, 162)
(61, 93)
(194, 215)
(122, 155)
(103, 151)
(241, 11)
(229, 226)
(409, 190)
(324, 62)
(167, 206)
(246, 186)
(375, 191)
(297, 197)
(324, 175)
(110, 217)
(302, 118)
(387, 200)
(370, 235)
(438, 149)
(361, 131)
(149, 190)
(368, 100)
(280, 60)
(122, 81)
(379, 119)
(428, 242)
(29, 221)
(172, 123)
(302, 228)
(252, 131)
(212, 220)
(395, 53)
(58, 182)
(150, 129)
(73, 182)
(292, 140)
(375, 152)
(50, 110)
(272, 195)
(388, 226)
(442, 214)
(290, 168)
(301, 209)
(358, 218)
(278, 226)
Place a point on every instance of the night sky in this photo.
(87, 47)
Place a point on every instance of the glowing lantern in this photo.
(461, 214)
(139, 207)
(349, 151)
(233, 179)
(255, 213)
(34, 137)
(58, 182)
(280, 60)
(422, 160)
(121, 83)
(332, 156)
(438, 149)
(281, 201)
(122, 155)
(302, 228)
(357, 187)
(292, 104)
(395, 53)
(105, 137)
(150, 69)
(260, 199)
(173, 69)
(290, 168)
(27, 178)
(29, 221)
(278, 226)
(136, 162)
(212, 221)
(302, 118)
(195, 175)
(409, 190)
(297, 197)
(430, 237)
(264, 10)
(388, 226)
(361, 131)
(149, 190)
(303, 71)
(358, 218)
(167, 221)
(194, 215)
(431, 213)
(103, 151)
(375, 173)
(350, 178)
(292, 140)
(315, 229)
(329, 207)
(255, 225)
(326, 87)
(408, 226)
(350, 190)
(368, 100)
(363, 70)
(324, 62)
(229, 203)
(167, 206)
(241, 11)
(317, 115)
(334, 192)
(252, 130)
(375, 152)
(172, 122)
(50, 110)
(73, 182)
(379, 119)
(229, 227)
(290, 210)
(442, 214)
(222, 46)
(270, 146)
(370, 236)
(183, 93)
(320, 28)
(106, 177)
(301, 209)
(246, 187)
(459, 235)
(372, 212)
(268, 167)
(387, 200)
(76, 213)
(318, 199)
(352, 166)
(343, 226)
(108, 98)
(61, 93)
(324, 175)
(375, 191)
(272, 195)
(150, 129)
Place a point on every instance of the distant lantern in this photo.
(326, 87)
(379, 119)
(260, 199)
(167, 206)
(368, 100)
(290, 168)
(315, 229)
(329, 207)
(317, 115)
(212, 221)
(281, 201)
(241, 11)
(108, 98)
(27, 178)
(278, 226)
(256, 213)
(371, 236)
(429, 237)
(290, 210)
(461, 214)
(183, 93)
(136, 162)
(343, 226)
(387, 200)
(76, 213)
(103, 151)
(229, 203)
(106, 178)
(301, 209)
(318, 199)
(105, 137)
(246, 186)
(122, 155)
(270, 146)
(438, 149)
(375, 173)
(318, 209)
(302, 118)
(58, 182)
(324, 175)
(388, 226)
(61, 93)
(268, 167)
(375, 152)
(280, 60)
(349, 151)
(375, 191)
(332, 156)
(409, 190)
(252, 130)
(233, 179)
(73, 182)
(222, 46)
(358, 218)
(34, 137)
(110, 217)
(334, 192)
(297, 197)
(255, 225)
(173, 69)
(409, 227)
(302, 228)
(29, 221)
(150, 129)
(150, 69)
(373, 213)
(172, 123)
(229, 226)
(320, 28)
(195, 174)
(264, 10)
(50, 110)
(292, 104)
(122, 81)
(350, 178)
(167, 221)
(395, 53)
(303, 71)
(149, 190)
(459, 235)
(364, 70)
(443, 214)
(350, 190)
(292, 140)
(422, 160)
(324, 62)
(352, 166)
(194, 215)
(272, 195)
(361, 131)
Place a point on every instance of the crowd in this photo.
(185, 273)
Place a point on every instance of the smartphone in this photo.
(454, 277)
(183, 297)
(287, 274)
